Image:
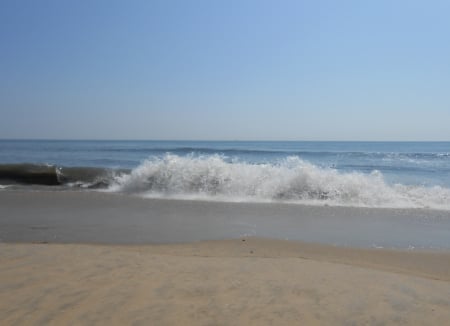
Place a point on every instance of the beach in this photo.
(82, 258)
(224, 163)
(217, 283)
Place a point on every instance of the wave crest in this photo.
(292, 180)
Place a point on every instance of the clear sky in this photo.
(250, 70)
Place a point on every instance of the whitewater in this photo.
(359, 174)
(291, 180)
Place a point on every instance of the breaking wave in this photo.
(290, 180)
(52, 175)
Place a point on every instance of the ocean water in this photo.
(363, 174)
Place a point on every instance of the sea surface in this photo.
(361, 174)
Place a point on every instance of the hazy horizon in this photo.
(224, 140)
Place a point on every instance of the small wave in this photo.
(291, 180)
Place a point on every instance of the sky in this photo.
(225, 70)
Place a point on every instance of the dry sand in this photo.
(236, 282)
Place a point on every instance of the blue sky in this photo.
(250, 70)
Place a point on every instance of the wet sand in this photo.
(93, 217)
(52, 272)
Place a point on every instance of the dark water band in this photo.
(51, 175)
(29, 174)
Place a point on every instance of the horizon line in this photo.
(219, 140)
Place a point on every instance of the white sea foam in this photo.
(291, 180)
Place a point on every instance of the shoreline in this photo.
(110, 218)
(101, 258)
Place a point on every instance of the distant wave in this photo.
(291, 180)
(232, 151)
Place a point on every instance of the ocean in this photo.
(359, 174)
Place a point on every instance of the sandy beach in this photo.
(86, 258)
(224, 163)
(235, 282)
